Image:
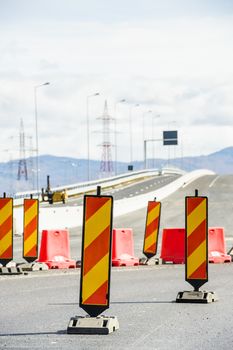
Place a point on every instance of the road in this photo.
(125, 190)
(35, 309)
(218, 189)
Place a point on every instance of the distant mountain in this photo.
(65, 170)
(220, 162)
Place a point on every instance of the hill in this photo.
(66, 170)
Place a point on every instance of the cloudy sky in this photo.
(172, 57)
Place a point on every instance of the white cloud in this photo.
(179, 68)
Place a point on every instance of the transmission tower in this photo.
(22, 165)
(106, 165)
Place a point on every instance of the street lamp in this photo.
(153, 146)
(168, 127)
(88, 134)
(115, 115)
(143, 127)
(37, 143)
(170, 123)
(131, 132)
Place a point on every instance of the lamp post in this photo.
(153, 146)
(115, 115)
(88, 135)
(131, 131)
(168, 127)
(143, 127)
(37, 142)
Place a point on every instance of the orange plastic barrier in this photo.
(173, 245)
(217, 246)
(55, 249)
(123, 248)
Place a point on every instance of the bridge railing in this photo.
(88, 186)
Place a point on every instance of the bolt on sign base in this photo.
(151, 261)
(230, 252)
(92, 325)
(78, 263)
(199, 297)
(34, 266)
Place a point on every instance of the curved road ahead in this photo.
(35, 309)
(218, 189)
(125, 190)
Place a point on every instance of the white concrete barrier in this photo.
(72, 216)
(128, 205)
(86, 187)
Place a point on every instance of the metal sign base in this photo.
(230, 252)
(92, 325)
(151, 261)
(10, 270)
(34, 266)
(200, 297)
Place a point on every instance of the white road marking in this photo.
(214, 180)
(142, 338)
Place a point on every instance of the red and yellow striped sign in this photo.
(6, 230)
(196, 241)
(96, 254)
(152, 229)
(30, 237)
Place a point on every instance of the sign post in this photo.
(170, 138)
(30, 232)
(151, 233)
(95, 267)
(7, 267)
(6, 230)
(31, 235)
(196, 250)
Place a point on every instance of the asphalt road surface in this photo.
(35, 311)
(36, 308)
(218, 189)
(125, 190)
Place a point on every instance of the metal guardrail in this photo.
(72, 216)
(83, 187)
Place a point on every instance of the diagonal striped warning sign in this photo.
(6, 230)
(96, 254)
(196, 271)
(152, 228)
(30, 237)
